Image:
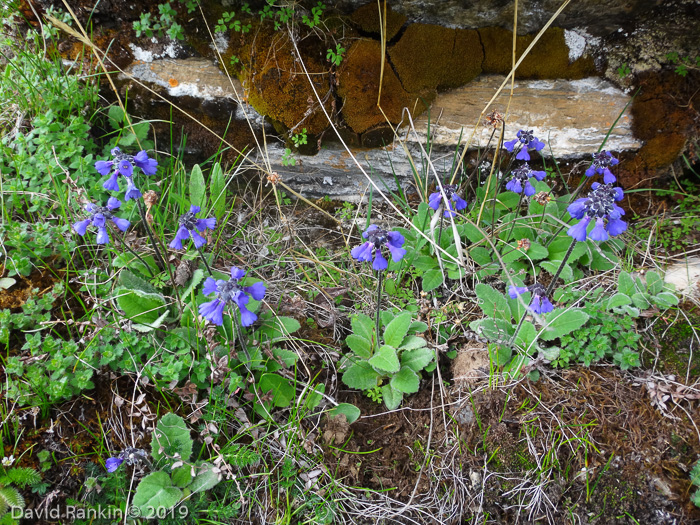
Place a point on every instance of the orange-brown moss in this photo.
(548, 59)
(277, 86)
(366, 18)
(661, 117)
(358, 85)
(429, 57)
(660, 151)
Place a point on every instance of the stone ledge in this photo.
(571, 116)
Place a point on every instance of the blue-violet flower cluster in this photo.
(600, 205)
(123, 164)
(601, 165)
(230, 292)
(372, 249)
(528, 141)
(130, 455)
(521, 179)
(456, 203)
(189, 224)
(99, 215)
(540, 304)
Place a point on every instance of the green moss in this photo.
(366, 18)
(429, 57)
(358, 85)
(674, 348)
(548, 59)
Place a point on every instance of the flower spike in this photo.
(123, 164)
(602, 161)
(540, 304)
(189, 226)
(376, 239)
(521, 178)
(599, 206)
(456, 203)
(230, 292)
(99, 215)
(527, 140)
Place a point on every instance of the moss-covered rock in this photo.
(358, 85)
(276, 84)
(366, 18)
(428, 57)
(548, 59)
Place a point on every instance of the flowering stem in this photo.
(159, 258)
(517, 329)
(199, 249)
(517, 212)
(239, 336)
(126, 245)
(561, 267)
(379, 303)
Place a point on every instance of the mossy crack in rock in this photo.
(549, 58)
(429, 57)
(359, 84)
(367, 19)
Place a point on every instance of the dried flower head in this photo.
(524, 244)
(542, 198)
(273, 178)
(494, 119)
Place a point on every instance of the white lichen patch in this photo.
(578, 42)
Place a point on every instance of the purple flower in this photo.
(113, 464)
(540, 304)
(230, 292)
(98, 218)
(123, 164)
(456, 203)
(600, 205)
(189, 224)
(521, 179)
(376, 238)
(528, 141)
(130, 456)
(601, 165)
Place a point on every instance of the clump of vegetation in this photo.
(223, 352)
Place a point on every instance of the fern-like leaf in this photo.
(695, 475)
(11, 497)
(696, 498)
(23, 476)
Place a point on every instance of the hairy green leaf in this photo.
(385, 359)
(397, 329)
(156, 491)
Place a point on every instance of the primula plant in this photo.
(393, 359)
